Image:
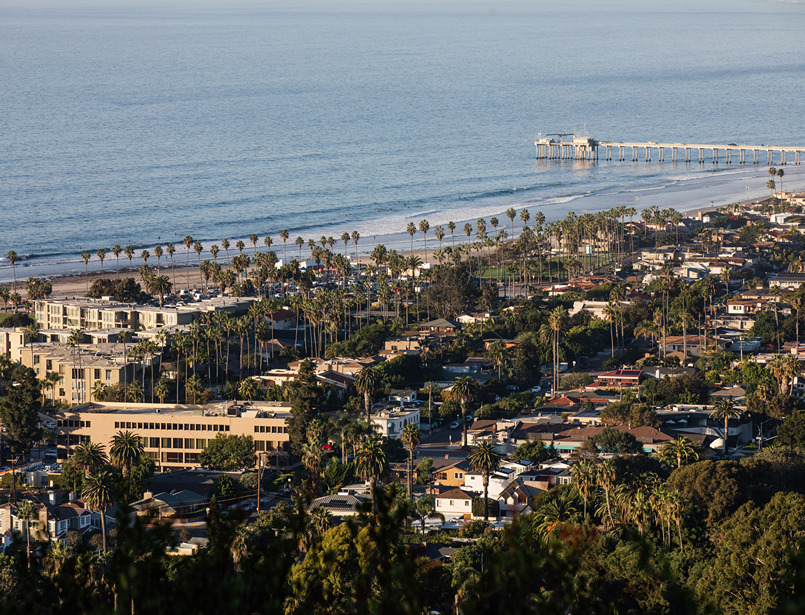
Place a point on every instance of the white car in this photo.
(455, 425)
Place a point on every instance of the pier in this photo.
(587, 148)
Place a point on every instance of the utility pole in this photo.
(259, 474)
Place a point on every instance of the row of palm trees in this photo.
(642, 502)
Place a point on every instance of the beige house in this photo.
(175, 435)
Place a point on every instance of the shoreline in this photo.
(685, 197)
(73, 285)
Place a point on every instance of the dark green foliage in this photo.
(792, 430)
(452, 292)
(19, 410)
(366, 341)
(17, 319)
(751, 569)
(629, 412)
(576, 380)
(478, 508)
(534, 451)
(225, 487)
(127, 290)
(228, 452)
(718, 487)
(424, 470)
(616, 441)
(306, 397)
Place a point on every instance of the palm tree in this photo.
(97, 492)
(366, 384)
(584, 473)
(85, 256)
(411, 230)
(611, 314)
(725, 410)
(606, 477)
(780, 174)
(464, 389)
(126, 451)
(101, 253)
(248, 388)
(355, 237)
(411, 437)
(188, 243)
(12, 258)
(370, 464)
(679, 450)
(424, 226)
(90, 457)
(158, 252)
(484, 459)
(499, 353)
(161, 390)
(424, 508)
(26, 511)
(557, 324)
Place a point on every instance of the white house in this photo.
(474, 481)
(391, 422)
(282, 319)
(455, 501)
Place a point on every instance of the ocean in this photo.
(138, 123)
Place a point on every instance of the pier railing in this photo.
(587, 148)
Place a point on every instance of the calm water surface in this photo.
(137, 125)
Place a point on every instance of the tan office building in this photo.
(175, 435)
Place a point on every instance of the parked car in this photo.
(455, 425)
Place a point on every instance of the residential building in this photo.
(455, 501)
(618, 379)
(390, 422)
(452, 475)
(80, 368)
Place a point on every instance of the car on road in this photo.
(455, 425)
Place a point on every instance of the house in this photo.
(618, 379)
(402, 396)
(408, 345)
(452, 475)
(495, 431)
(169, 504)
(282, 319)
(596, 308)
(441, 325)
(498, 481)
(788, 281)
(516, 499)
(473, 365)
(679, 343)
(340, 504)
(455, 501)
(391, 422)
(746, 307)
(52, 520)
(334, 379)
(473, 317)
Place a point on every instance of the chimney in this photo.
(52, 498)
(147, 495)
(72, 497)
(447, 456)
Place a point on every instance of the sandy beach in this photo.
(76, 285)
